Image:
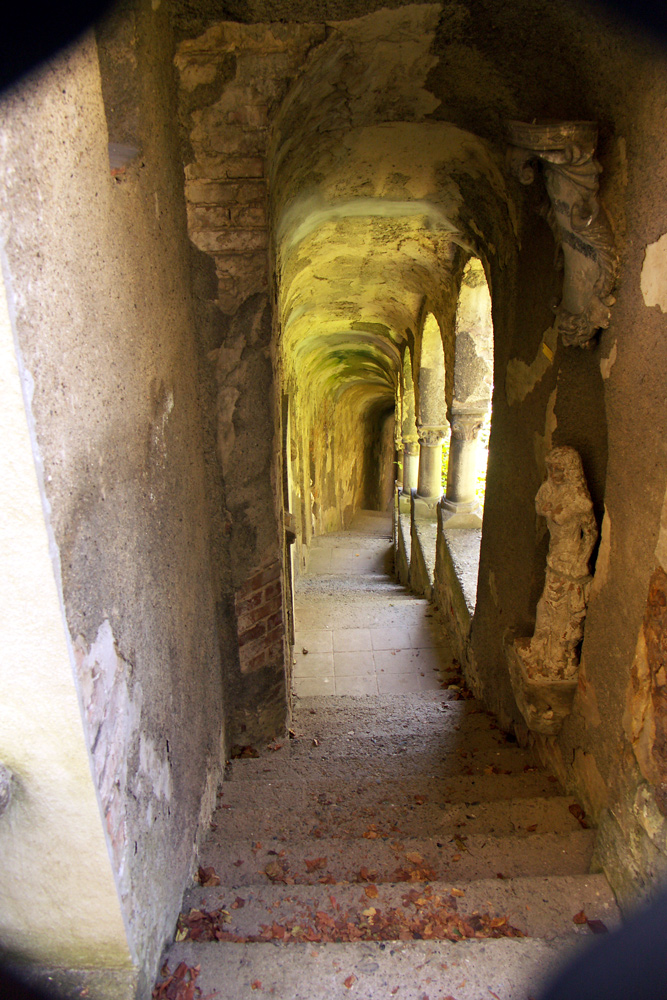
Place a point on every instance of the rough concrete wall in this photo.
(51, 834)
(99, 269)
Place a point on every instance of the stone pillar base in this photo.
(425, 508)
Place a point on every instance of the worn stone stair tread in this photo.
(515, 969)
(420, 713)
(357, 793)
(538, 907)
(394, 816)
(392, 764)
(464, 742)
(482, 857)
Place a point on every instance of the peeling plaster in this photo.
(606, 364)
(654, 274)
(520, 378)
(542, 443)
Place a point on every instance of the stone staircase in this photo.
(397, 845)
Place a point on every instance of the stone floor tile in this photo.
(391, 661)
(347, 640)
(412, 683)
(391, 638)
(426, 635)
(357, 685)
(353, 664)
(313, 665)
(313, 687)
(314, 640)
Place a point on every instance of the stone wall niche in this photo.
(566, 153)
(544, 669)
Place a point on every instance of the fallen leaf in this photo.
(579, 814)
(238, 903)
(421, 799)
(457, 892)
(255, 984)
(312, 864)
(207, 877)
(532, 828)
(370, 912)
(371, 891)
(456, 857)
(579, 918)
(304, 651)
(316, 742)
(349, 982)
(243, 751)
(275, 746)
(414, 858)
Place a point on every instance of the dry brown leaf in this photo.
(312, 864)
(256, 984)
(414, 858)
(457, 892)
(579, 918)
(371, 891)
(207, 877)
(349, 982)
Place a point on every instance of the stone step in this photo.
(354, 794)
(538, 907)
(389, 764)
(507, 968)
(309, 861)
(387, 715)
(412, 818)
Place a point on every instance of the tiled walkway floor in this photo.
(358, 632)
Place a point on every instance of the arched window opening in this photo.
(465, 456)
(432, 418)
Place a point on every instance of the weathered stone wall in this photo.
(98, 270)
(606, 402)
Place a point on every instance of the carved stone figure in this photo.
(544, 668)
(564, 500)
(566, 151)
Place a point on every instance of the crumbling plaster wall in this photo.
(98, 270)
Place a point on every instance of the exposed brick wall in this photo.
(259, 616)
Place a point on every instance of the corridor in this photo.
(394, 843)
(358, 632)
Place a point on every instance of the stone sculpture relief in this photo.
(544, 668)
(566, 151)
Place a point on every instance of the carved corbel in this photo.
(566, 152)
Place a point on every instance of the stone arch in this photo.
(431, 408)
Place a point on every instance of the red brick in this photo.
(272, 589)
(244, 604)
(255, 632)
(275, 619)
(258, 613)
(264, 576)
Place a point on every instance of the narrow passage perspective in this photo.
(396, 842)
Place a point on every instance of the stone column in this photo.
(429, 480)
(410, 465)
(462, 466)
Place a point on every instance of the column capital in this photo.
(566, 153)
(467, 426)
(431, 435)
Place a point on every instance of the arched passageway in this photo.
(204, 401)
